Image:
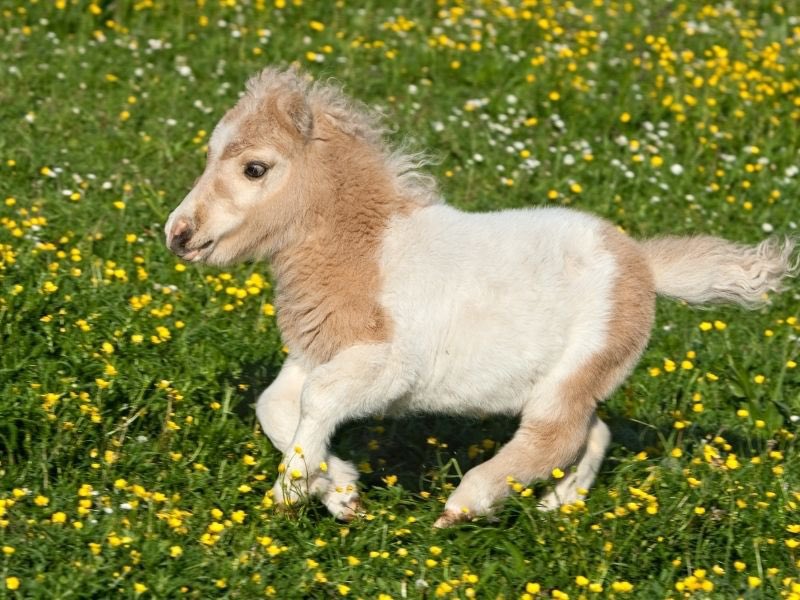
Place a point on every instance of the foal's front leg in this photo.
(278, 410)
(359, 381)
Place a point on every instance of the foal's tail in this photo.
(703, 269)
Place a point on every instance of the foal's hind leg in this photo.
(568, 490)
(541, 444)
(278, 411)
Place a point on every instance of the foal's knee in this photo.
(278, 406)
(275, 420)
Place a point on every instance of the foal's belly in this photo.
(476, 376)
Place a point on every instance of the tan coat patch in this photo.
(328, 284)
(631, 319)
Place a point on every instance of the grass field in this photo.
(131, 463)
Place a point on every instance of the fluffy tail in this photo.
(708, 269)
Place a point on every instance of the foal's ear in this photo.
(298, 112)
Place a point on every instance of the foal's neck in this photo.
(328, 281)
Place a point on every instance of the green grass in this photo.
(116, 446)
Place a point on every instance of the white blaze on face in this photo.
(224, 133)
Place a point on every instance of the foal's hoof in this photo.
(449, 518)
(286, 510)
(289, 492)
(351, 510)
(343, 505)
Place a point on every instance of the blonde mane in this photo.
(354, 119)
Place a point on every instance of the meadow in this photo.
(131, 462)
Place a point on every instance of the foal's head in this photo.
(253, 190)
(289, 155)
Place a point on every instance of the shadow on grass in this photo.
(423, 450)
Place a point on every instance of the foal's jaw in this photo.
(199, 254)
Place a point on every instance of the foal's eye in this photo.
(254, 170)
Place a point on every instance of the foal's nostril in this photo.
(181, 234)
(180, 241)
